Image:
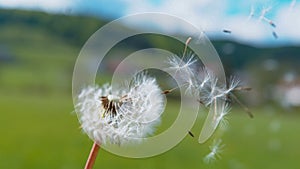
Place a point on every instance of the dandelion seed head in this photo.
(147, 100)
(120, 116)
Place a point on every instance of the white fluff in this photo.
(136, 117)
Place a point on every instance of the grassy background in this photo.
(39, 130)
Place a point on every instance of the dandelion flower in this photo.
(120, 116)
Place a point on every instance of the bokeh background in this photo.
(39, 44)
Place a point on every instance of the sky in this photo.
(256, 22)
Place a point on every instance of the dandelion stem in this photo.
(242, 88)
(92, 157)
(170, 90)
(186, 45)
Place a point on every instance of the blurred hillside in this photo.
(38, 51)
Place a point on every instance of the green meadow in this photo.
(42, 132)
(39, 128)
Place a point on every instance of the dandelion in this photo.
(215, 150)
(120, 116)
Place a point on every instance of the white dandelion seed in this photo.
(183, 70)
(120, 116)
(234, 83)
(201, 38)
(205, 85)
(216, 116)
(178, 65)
(217, 97)
(221, 91)
(210, 92)
(204, 77)
(215, 150)
(205, 81)
(263, 13)
(223, 119)
(263, 17)
(252, 13)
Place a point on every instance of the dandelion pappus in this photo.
(230, 97)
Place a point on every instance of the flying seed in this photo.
(186, 45)
(275, 35)
(227, 31)
(242, 88)
(272, 24)
(191, 134)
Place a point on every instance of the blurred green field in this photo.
(42, 132)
